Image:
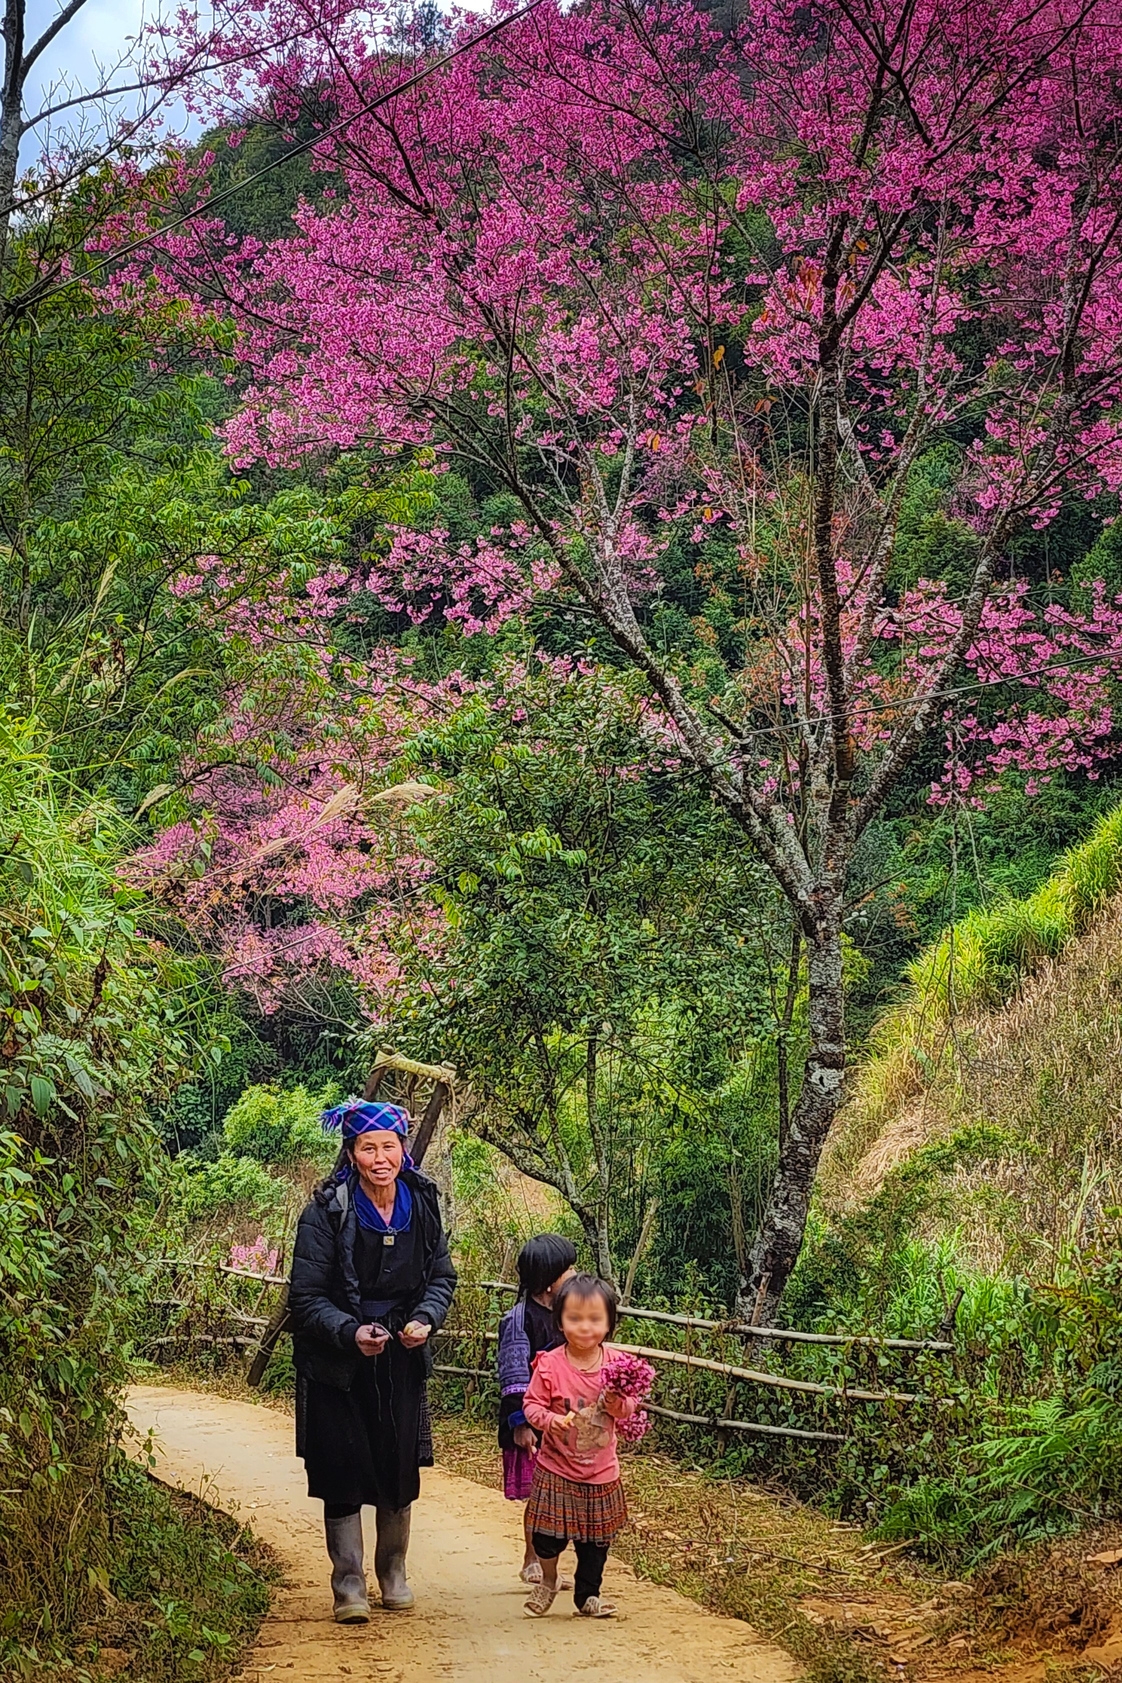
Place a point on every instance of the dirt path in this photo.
(468, 1625)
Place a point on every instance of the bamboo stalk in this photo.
(202, 1338)
(779, 1381)
(751, 1375)
(778, 1333)
(742, 1425)
(642, 1245)
(409, 1066)
(247, 1274)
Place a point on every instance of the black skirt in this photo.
(365, 1446)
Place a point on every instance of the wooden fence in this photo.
(806, 1385)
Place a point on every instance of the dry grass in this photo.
(1043, 1071)
(973, 968)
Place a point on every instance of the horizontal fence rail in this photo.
(695, 1388)
(778, 1380)
(780, 1334)
(715, 1424)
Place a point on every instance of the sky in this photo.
(96, 38)
(89, 45)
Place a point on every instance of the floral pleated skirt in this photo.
(586, 1513)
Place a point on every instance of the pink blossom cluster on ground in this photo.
(257, 1258)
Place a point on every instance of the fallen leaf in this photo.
(1109, 1557)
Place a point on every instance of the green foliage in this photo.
(177, 1585)
(229, 1185)
(282, 1125)
(1021, 1438)
(603, 969)
(1033, 1473)
(930, 543)
(1103, 560)
(99, 1026)
(128, 669)
(266, 207)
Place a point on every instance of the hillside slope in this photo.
(1006, 1052)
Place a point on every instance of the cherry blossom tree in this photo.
(290, 861)
(702, 304)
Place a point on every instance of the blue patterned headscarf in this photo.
(365, 1116)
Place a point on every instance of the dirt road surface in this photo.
(468, 1625)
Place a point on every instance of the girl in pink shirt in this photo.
(576, 1493)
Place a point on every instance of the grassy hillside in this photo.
(1007, 1039)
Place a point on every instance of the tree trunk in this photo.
(594, 1219)
(598, 1234)
(777, 1245)
(11, 114)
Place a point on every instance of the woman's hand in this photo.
(615, 1406)
(371, 1341)
(415, 1334)
(525, 1438)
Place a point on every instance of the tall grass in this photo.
(974, 966)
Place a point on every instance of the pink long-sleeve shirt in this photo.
(586, 1453)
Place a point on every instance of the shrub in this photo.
(177, 1586)
(228, 1185)
(99, 1026)
(281, 1125)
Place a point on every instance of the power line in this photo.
(303, 146)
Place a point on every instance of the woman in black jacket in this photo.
(371, 1282)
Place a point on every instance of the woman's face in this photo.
(584, 1322)
(378, 1157)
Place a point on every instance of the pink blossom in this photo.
(628, 1376)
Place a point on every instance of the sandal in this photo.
(596, 1608)
(531, 1573)
(540, 1600)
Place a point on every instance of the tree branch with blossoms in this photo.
(686, 295)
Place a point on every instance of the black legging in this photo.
(340, 1510)
(591, 1560)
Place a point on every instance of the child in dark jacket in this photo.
(525, 1331)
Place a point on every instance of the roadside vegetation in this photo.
(648, 735)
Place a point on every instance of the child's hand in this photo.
(525, 1439)
(560, 1423)
(615, 1406)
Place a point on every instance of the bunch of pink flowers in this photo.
(630, 1376)
(256, 1258)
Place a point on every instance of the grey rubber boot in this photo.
(389, 1557)
(348, 1579)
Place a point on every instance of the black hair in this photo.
(583, 1286)
(543, 1260)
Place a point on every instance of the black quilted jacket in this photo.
(323, 1294)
